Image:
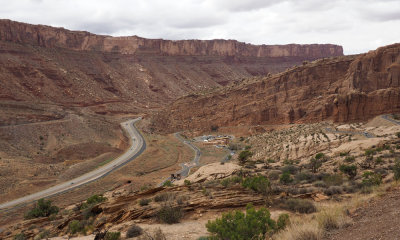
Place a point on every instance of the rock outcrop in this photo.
(341, 89)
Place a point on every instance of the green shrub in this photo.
(244, 155)
(315, 164)
(168, 183)
(332, 190)
(231, 180)
(42, 208)
(299, 205)
(292, 169)
(112, 236)
(333, 180)
(20, 236)
(371, 179)
(144, 201)
(342, 154)
(349, 170)
(396, 170)
(283, 221)
(398, 134)
(170, 215)
(134, 231)
(286, 178)
(254, 224)
(95, 199)
(203, 238)
(42, 235)
(350, 159)
(258, 184)
(370, 152)
(76, 226)
(186, 182)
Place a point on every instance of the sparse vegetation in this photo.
(20, 236)
(112, 236)
(42, 208)
(164, 197)
(371, 179)
(134, 231)
(93, 200)
(170, 215)
(75, 226)
(349, 170)
(299, 205)
(144, 201)
(286, 178)
(168, 183)
(258, 184)
(396, 170)
(244, 155)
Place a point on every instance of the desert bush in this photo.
(168, 183)
(371, 179)
(90, 212)
(112, 236)
(231, 181)
(303, 176)
(214, 128)
(42, 208)
(299, 205)
(187, 182)
(292, 169)
(163, 197)
(349, 170)
(333, 218)
(332, 190)
(96, 199)
(350, 159)
(366, 189)
(254, 224)
(75, 226)
(282, 222)
(20, 236)
(170, 215)
(396, 170)
(370, 151)
(258, 184)
(244, 155)
(274, 174)
(398, 134)
(320, 184)
(157, 235)
(333, 180)
(342, 154)
(286, 178)
(144, 201)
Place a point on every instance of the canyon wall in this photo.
(341, 89)
(46, 36)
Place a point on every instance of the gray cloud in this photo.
(358, 25)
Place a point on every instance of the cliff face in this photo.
(45, 36)
(340, 89)
(128, 74)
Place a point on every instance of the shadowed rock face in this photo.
(129, 74)
(58, 37)
(340, 89)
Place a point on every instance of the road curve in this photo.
(137, 147)
(184, 172)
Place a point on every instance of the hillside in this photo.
(340, 89)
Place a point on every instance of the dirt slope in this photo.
(378, 219)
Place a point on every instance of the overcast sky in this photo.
(357, 25)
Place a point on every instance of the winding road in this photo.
(137, 147)
(184, 172)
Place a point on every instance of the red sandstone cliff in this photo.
(340, 89)
(46, 36)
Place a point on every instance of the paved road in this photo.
(184, 172)
(389, 118)
(137, 147)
